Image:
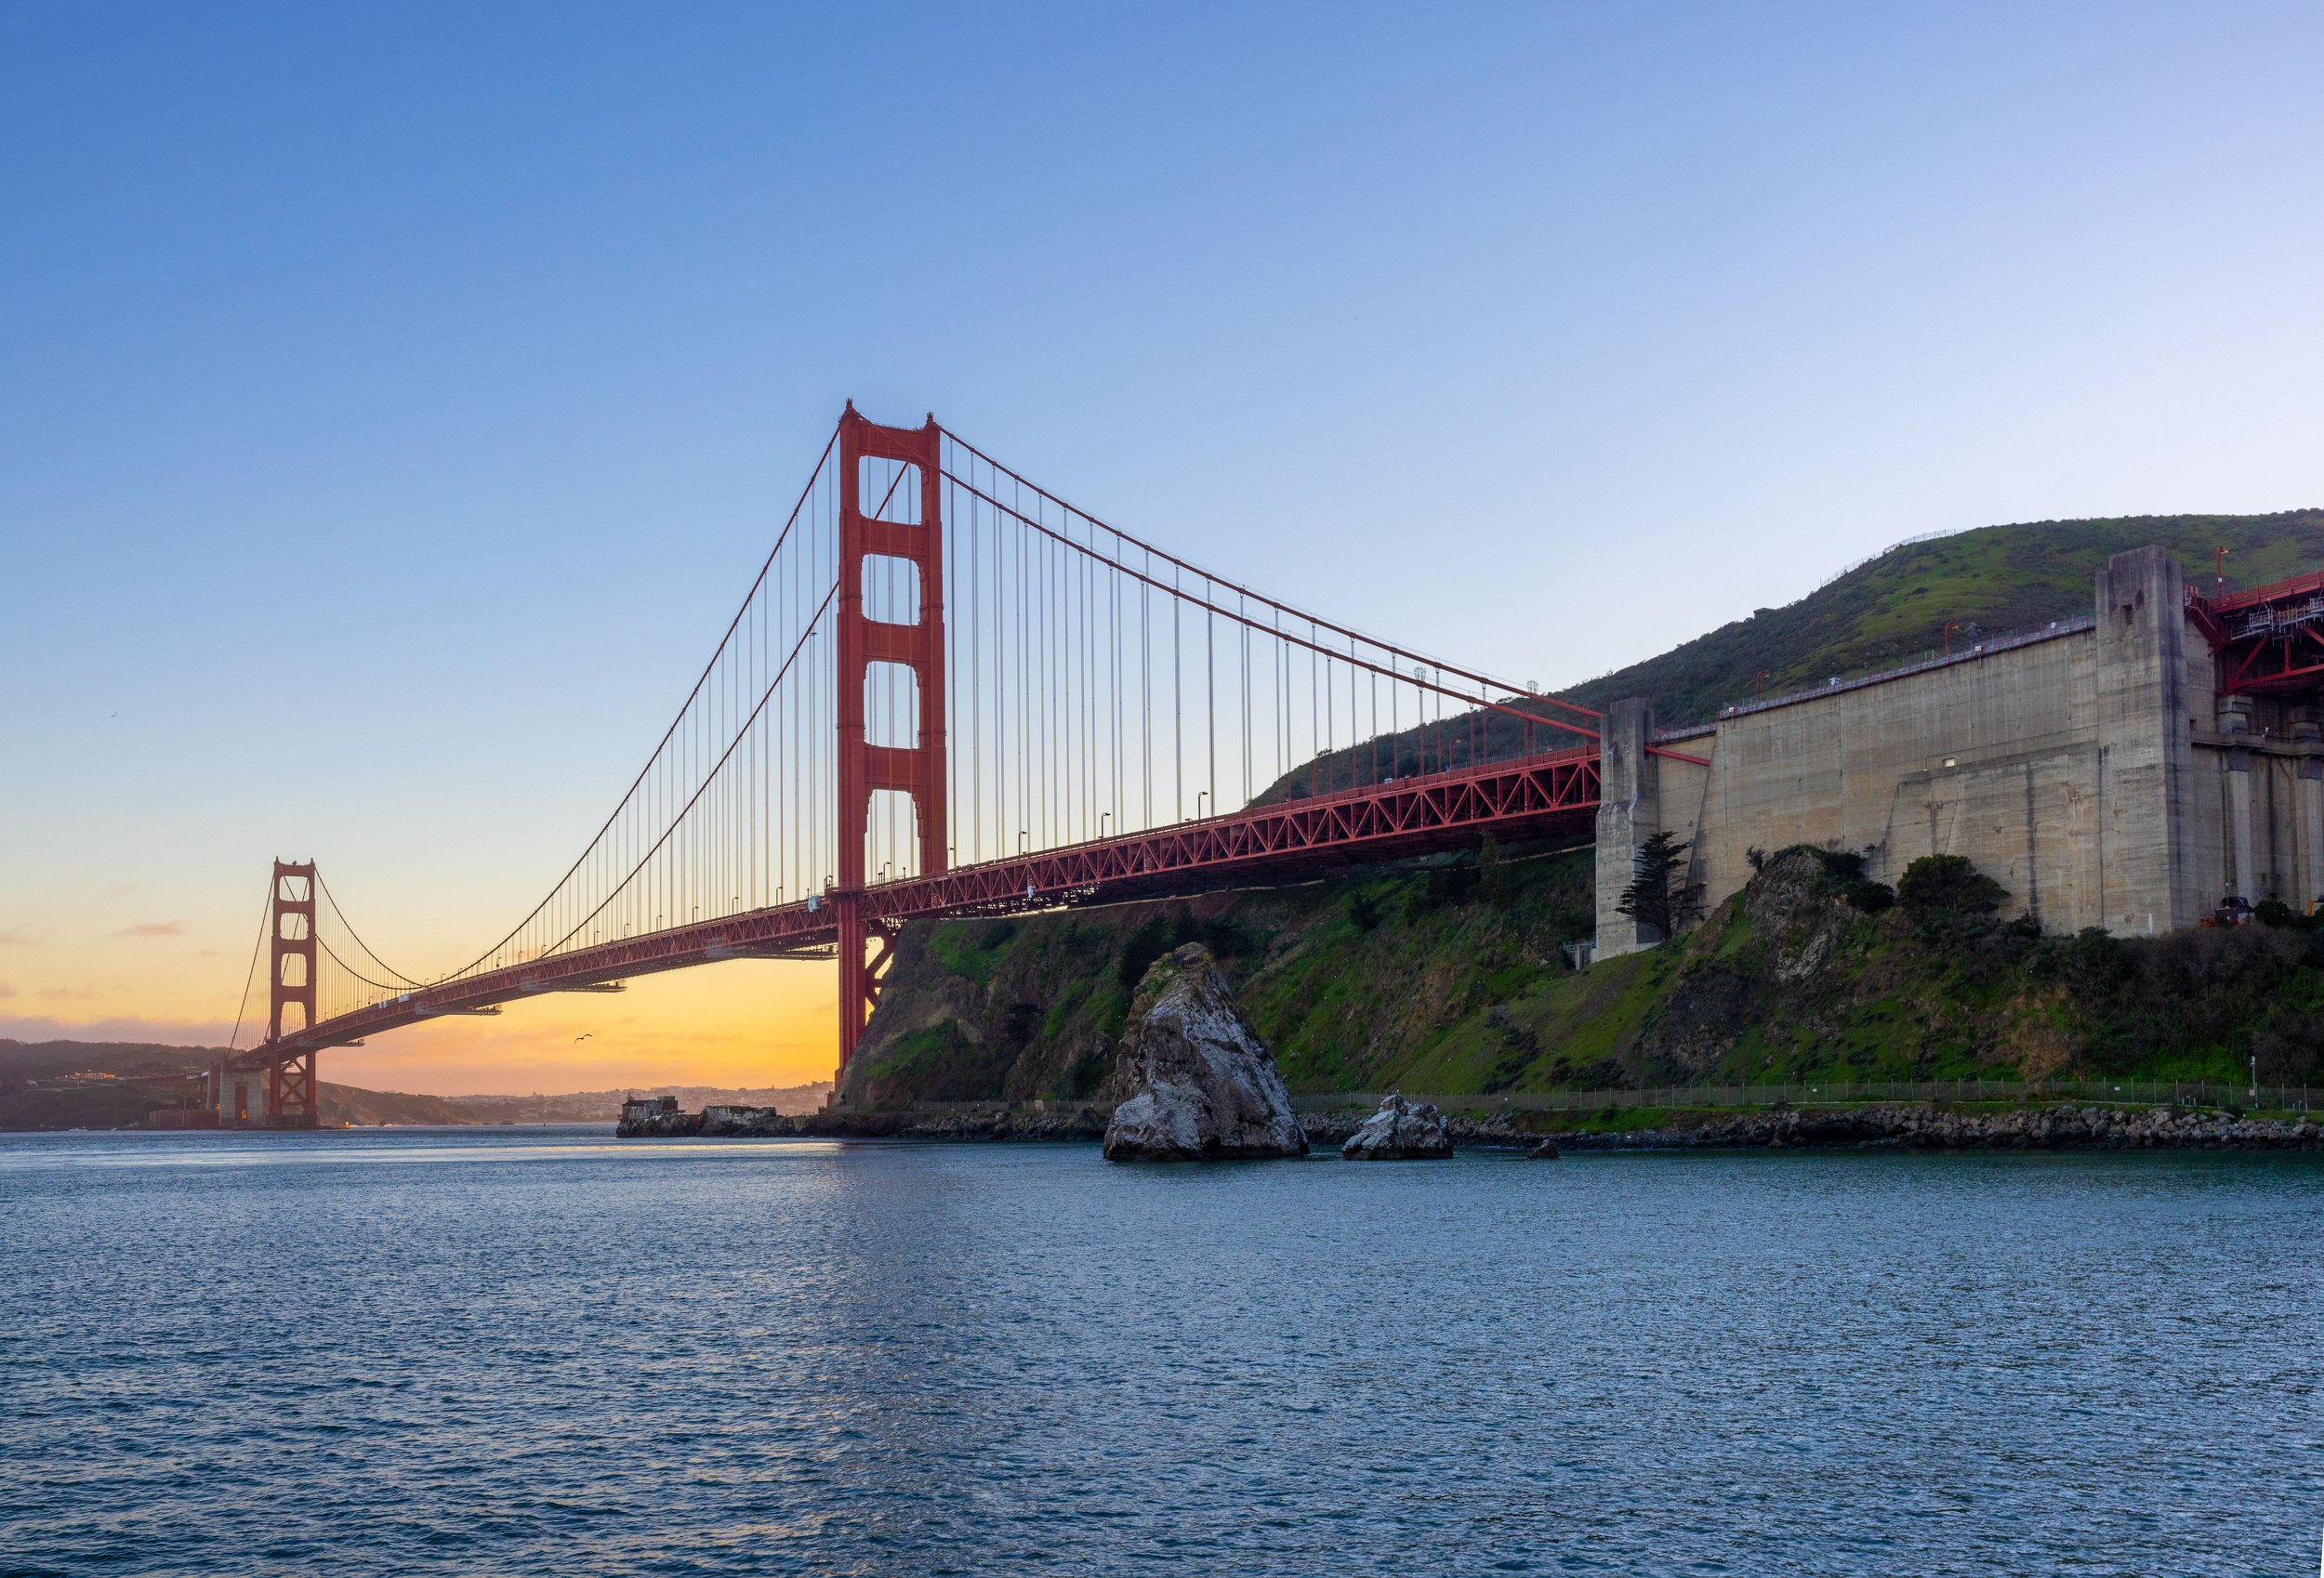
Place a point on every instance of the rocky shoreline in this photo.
(1895, 1125)
(1919, 1127)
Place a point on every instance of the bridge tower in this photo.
(290, 1082)
(904, 523)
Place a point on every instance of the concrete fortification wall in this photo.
(2088, 768)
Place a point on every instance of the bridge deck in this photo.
(1524, 797)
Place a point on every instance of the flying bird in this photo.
(584, 1036)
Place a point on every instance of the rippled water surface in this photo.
(547, 1352)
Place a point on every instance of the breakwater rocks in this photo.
(1933, 1128)
(1498, 1131)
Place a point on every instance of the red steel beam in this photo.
(1525, 798)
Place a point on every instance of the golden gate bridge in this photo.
(948, 691)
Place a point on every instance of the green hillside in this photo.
(1447, 978)
(1890, 610)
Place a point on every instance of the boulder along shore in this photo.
(1898, 1125)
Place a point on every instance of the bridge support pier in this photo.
(2235, 723)
(1630, 812)
(2308, 728)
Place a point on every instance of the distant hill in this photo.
(99, 1084)
(1888, 611)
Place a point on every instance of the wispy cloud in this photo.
(6, 991)
(19, 940)
(88, 994)
(154, 929)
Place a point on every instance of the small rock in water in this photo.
(1204, 1087)
(1400, 1131)
(1545, 1152)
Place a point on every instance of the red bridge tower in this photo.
(906, 523)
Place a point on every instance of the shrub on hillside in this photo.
(1843, 866)
(1871, 897)
(2095, 961)
(1949, 885)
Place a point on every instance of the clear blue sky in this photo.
(394, 400)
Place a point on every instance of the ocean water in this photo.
(551, 1352)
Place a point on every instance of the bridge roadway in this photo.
(1527, 797)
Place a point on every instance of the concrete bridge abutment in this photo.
(1630, 812)
(2088, 766)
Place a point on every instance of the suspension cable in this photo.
(1387, 647)
(266, 913)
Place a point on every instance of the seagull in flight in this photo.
(585, 1036)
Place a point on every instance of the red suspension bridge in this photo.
(950, 692)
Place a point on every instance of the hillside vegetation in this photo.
(1447, 977)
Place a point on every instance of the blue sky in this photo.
(395, 399)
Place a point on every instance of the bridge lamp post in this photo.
(1200, 795)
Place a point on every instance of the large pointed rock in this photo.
(1202, 1086)
(1400, 1131)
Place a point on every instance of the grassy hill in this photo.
(1888, 611)
(1447, 978)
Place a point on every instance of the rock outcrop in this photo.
(1202, 1086)
(1400, 1131)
